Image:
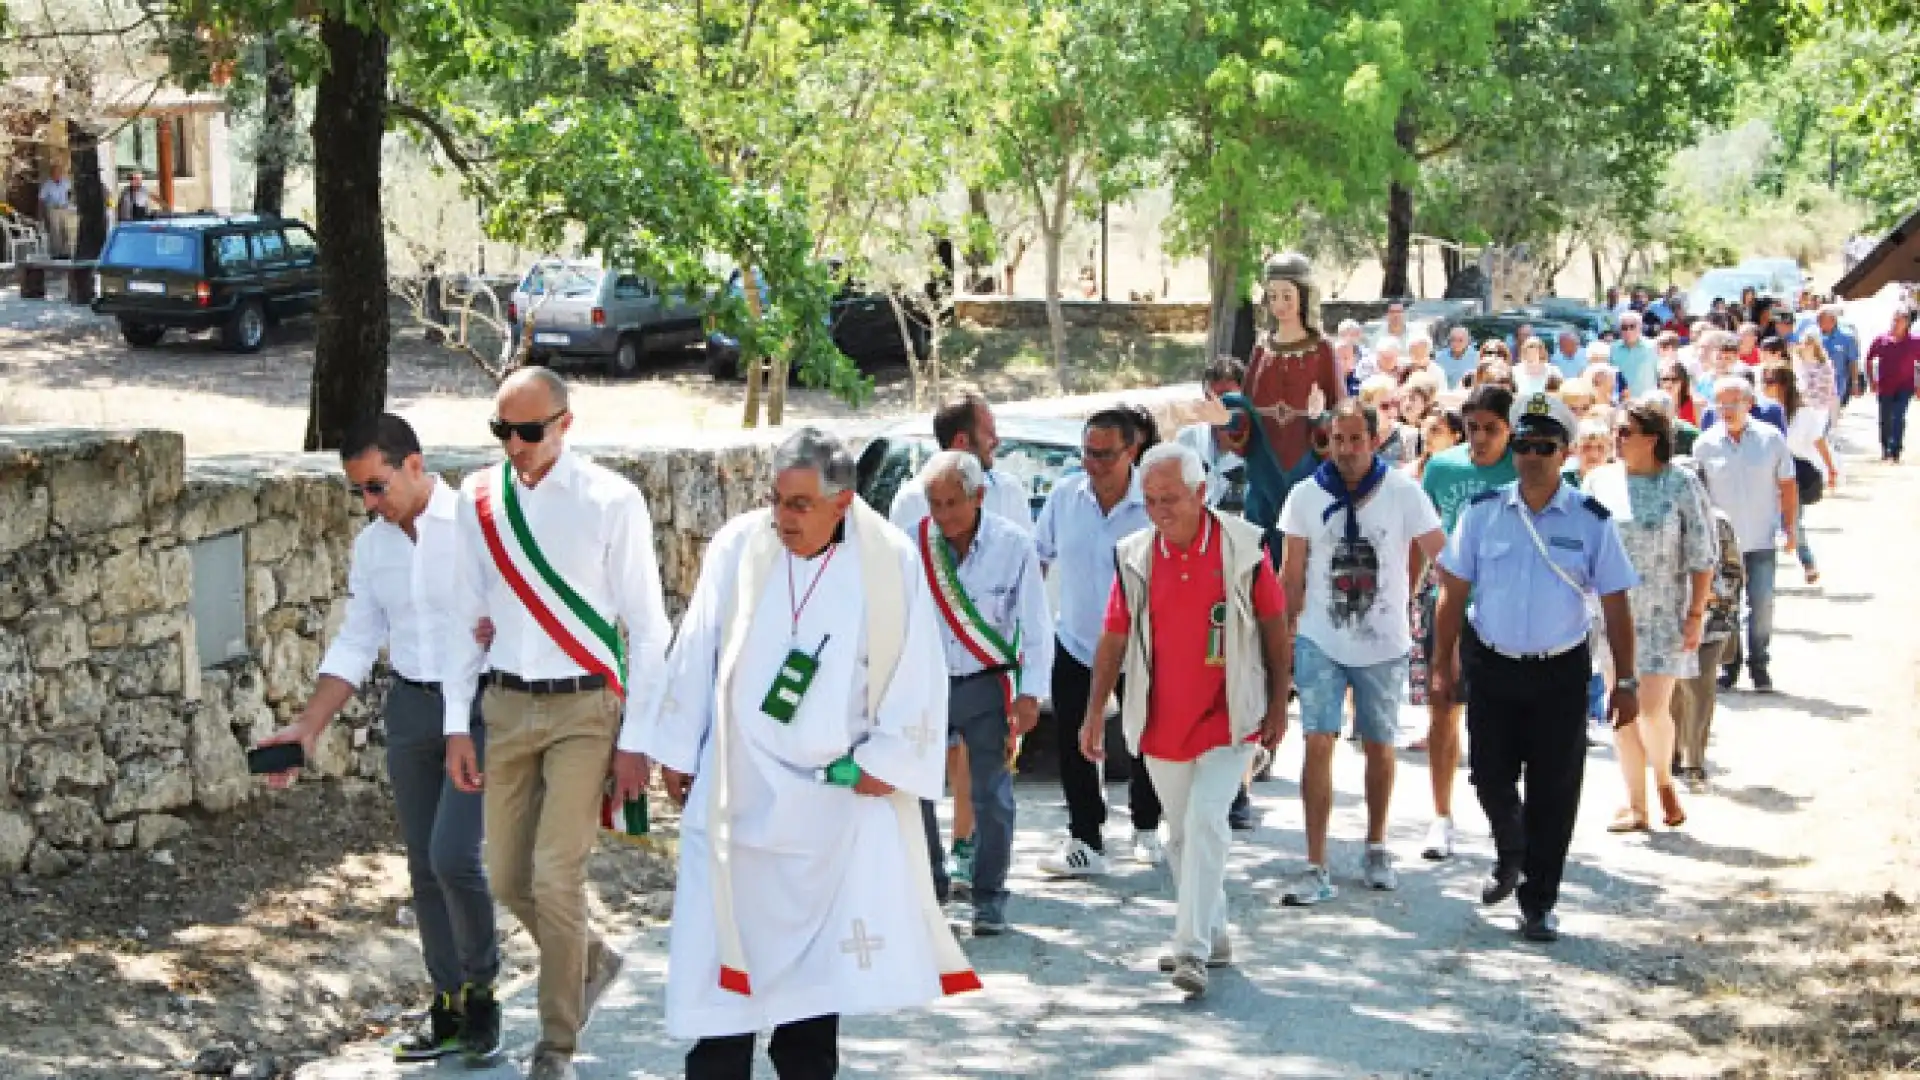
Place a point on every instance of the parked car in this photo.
(1502, 325)
(1590, 320)
(1037, 451)
(234, 273)
(583, 312)
(1785, 279)
(1725, 283)
(862, 324)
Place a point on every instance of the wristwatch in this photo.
(1627, 682)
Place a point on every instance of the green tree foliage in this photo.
(757, 137)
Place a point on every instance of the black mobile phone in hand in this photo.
(266, 760)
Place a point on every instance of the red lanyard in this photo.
(799, 608)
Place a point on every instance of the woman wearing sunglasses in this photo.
(1664, 521)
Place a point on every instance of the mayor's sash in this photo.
(586, 636)
(971, 629)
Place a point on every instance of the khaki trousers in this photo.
(547, 759)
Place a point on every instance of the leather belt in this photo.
(578, 684)
(985, 673)
(429, 687)
(1550, 654)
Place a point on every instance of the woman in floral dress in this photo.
(1665, 523)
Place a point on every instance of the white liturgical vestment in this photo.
(798, 898)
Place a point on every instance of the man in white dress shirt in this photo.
(556, 553)
(966, 424)
(401, 572)
(803, 720)
(987, 586)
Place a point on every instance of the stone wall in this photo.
(113, 731)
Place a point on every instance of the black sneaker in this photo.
(1240, 814)
(1762, 683)
(1726, 680)
(437, 1037)
(1542, 929)
(480, 1034)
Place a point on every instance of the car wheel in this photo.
(247, 329)
(723, 360)
(626, 357)
(142, 335)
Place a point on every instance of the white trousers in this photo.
(1194, 796)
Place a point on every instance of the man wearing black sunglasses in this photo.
(1532, 552)
(402, 567)
(556, 554)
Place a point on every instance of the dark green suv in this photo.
(236, 273)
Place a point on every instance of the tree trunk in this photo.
(1400, 211)
(1599, 273)
(1051, 238)
(89, 194)
(1224, 252)
(750, 366)
(275, 149)
(352, 332)
(979, 259)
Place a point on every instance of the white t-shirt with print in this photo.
(1355, 602)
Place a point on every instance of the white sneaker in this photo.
(1147, 848)
(1074, 859)
(1439, 843)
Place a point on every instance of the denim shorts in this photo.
(1323, 682)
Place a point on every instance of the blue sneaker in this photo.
(1314, 886)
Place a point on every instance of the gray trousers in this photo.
(1693, 703)
(442, 827)
(977, 712)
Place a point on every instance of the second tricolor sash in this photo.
(969, 627)
(585, 635)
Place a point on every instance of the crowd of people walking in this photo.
(1532, 543)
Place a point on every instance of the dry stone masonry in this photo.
(114, 729)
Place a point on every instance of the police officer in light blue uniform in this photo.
(1530, 552)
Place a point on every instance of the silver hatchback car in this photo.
(580, 311)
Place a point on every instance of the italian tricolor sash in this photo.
(582, 633)
(969, 627)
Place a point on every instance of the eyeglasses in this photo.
(530, 431)
(1536, 447)
(376, 488)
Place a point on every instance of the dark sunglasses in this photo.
(531, 431)
(1536, 447)
(375, 488)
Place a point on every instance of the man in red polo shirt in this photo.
(1197, 623)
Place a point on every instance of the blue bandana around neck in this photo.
(1329, 478)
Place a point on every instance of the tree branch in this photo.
(106, 31)
(443, 135)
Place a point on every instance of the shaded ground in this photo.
(1773, 936)
(61, 365)
(265, 939)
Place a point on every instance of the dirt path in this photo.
(63, 366)
(1773, 936)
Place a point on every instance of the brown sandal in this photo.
(1626, 821)
(1670, 806)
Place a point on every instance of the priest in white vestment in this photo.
(804, 718)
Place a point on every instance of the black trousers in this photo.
(1528, 717)
(1079, 778)
(802, 1050)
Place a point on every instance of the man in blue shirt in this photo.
(1457, 360)
(1843, 348)
(1085, 517)
(1531, 552)
(1635, 358)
